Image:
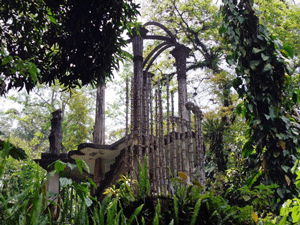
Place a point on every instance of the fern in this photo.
(135, 213)
(176, 209)
(157, 214)
(143, 181)
(195, 214)
(112, 209)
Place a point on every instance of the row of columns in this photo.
(180, 53)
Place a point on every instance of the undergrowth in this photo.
(128, 202)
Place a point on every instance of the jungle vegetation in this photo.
(244, 60)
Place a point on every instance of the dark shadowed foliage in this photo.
(73, 41)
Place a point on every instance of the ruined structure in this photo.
(168, 135)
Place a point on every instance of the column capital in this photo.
(140, 31)
(181, 51)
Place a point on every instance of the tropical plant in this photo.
(264, 84)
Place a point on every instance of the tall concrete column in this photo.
(137, 44)
(99, 130)
(55, 140)
(180, 54)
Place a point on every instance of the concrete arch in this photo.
(168, 43)
(152, 23)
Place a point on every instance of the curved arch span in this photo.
(162, 27)
(155, 50)
(157, 54)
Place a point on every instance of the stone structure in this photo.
(55, 137)
(169, 136)
(153, 130)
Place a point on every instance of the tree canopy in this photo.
(76, 42)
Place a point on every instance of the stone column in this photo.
(137, 44)
(200, 154)
(99, 130)
(55, 137)
(180, 54)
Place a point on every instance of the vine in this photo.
(263, 82)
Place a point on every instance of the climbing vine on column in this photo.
(263, 82)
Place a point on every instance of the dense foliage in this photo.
(76, 42)
(264, 84)
(252, 150)
(129, 202)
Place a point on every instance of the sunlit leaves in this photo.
(281, 17)
(65, 182)
(59, 166)
(81, 165)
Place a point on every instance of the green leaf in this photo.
(256, 50)
(92, 182)
(267, 67)
(264, 57)
(88, 202)
(239, 107)
(52, 19)
(286, 121)
(276, 154)
(158, 211)
(254, 64)
(195, 214)
(250, 107)
(71, 166)
(285, 168)
(135, 213)
(33, 72)
(59, 166)
(278, 44)
(6, 60)
(81, 164)
(222, 29)
(247, 149)
(296, 215)
(289, 51)
(65, 181)
(86, 167)
(280, 193)
(261, 37)
(267, 116)
(241, 19)
(272, 112)
(246, 198)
